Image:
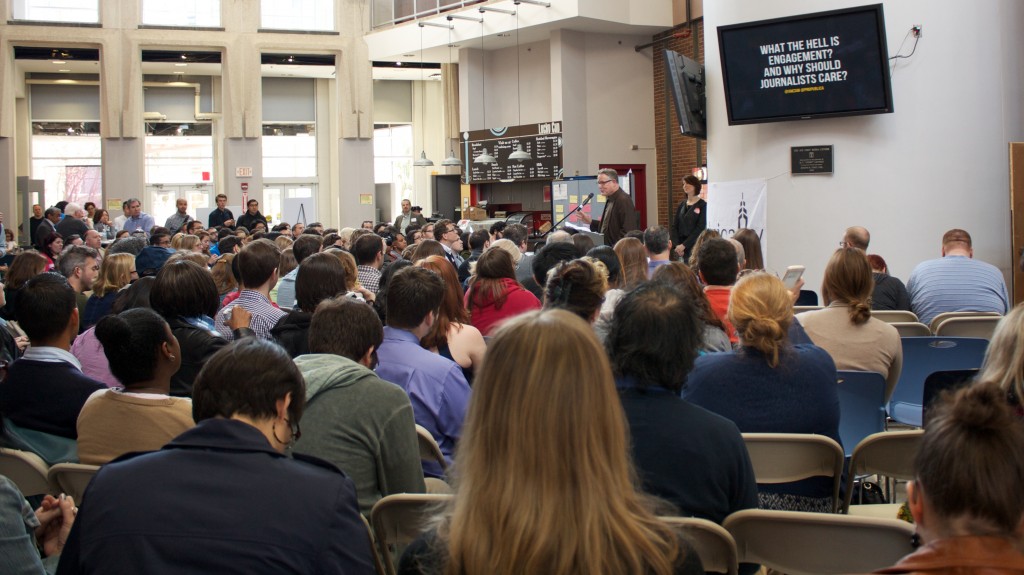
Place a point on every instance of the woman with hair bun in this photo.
(845, 329)
(577, 286)
(143, 355)
(769, 385)
(966, 499)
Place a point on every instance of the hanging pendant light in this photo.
(520, 155)
(424, 161)
(484, 158)
(452, 159)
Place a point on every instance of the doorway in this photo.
(163, 199)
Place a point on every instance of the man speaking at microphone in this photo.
(619, 216)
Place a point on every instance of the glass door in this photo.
(279, 209)
(163, 199)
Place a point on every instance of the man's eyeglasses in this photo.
(603, 182)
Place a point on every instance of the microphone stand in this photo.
(578, 208)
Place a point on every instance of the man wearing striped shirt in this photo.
(956, 281)
(257, 266)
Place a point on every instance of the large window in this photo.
(316, 15)
(289, 151)
(193, 13)
(77, 11)
(179, 154)
(392, 159)
(68, 161)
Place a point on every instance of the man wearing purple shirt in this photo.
(438, 390)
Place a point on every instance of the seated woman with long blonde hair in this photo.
(544, 482)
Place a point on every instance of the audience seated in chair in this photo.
(353, 418)
(321, 277)
(27, 533)
(223, 496)
(543, 483)
(770, 385)
(685, 454)
(143, 355)
(45, 389)
(966, 499)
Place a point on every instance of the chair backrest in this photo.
(71, 478)
(429, 449)
(941, 381)
(911, 328)
(786, 457)
(889, 453)
(51, 448)
(807, 297)
(923, 356)
(26, 469)
(378, 565)
(975, 326)
(894, 315)
(400, 518)
(946, 315)
(713, 543)
(861, 406)
(802, 308)
(798, 543)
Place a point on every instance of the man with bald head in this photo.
(856, 237)
(956, 281)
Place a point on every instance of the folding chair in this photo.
(889, 454)
(894, 315)
(941, 381)
(975, 326)
(27, 470)
(72, 479)
(861, 406)
(786, 457)
(911, 328)
(923, 356)
(429, 450)
(714, 545)
(798, 543)
(937, 320)
(399, 519)
(378, 565)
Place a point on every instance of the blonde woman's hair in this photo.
(1004, 358)
(848, 280)
(761, 310)
(176, 240)
(283, 242)
(198, 258)
(186, 242)
(544, 482)
(115, 273)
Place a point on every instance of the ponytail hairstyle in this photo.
(576, 286)
(848, 280)
(970, 462)
(761, 310)
(131, 341)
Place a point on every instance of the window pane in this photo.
(289, 156)
(179, 159)
(80, 11)
(198, 13)
(297, 14)
(69, 166)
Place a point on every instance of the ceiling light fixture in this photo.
(452, 159)
(484, 157)
(424, 161)
(520, 155)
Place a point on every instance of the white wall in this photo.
(940, 161)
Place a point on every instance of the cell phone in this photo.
(792, 276)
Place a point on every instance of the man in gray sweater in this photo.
(353, 419)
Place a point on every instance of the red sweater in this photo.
(488, 317)
(719, 298)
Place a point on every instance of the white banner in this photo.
(741, 204)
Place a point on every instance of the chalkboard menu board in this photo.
(542, 141)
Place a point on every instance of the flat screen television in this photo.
(686, 81)
(819, 65)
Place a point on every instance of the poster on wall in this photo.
(739, 204)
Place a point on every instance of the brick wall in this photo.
(684, 148)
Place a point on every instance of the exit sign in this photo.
(243, 172)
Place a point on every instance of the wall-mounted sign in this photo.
(542, 141)
(811, 160)
(245, 172)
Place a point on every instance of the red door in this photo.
(639, 191)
